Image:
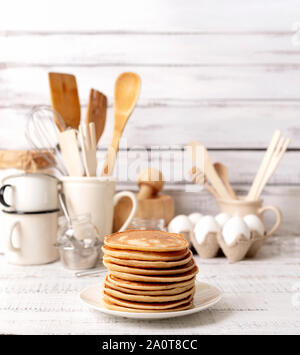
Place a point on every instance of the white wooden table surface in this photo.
(260, 296)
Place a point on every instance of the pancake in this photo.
(147, 299)
(144, 286)
(157, 278)
(163, 292)
(143, 305)
(126, 254)
(149, 271)
(148, 264)
(139, 271)
(114, 307)
(146, 241)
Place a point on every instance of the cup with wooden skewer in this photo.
(214, 178)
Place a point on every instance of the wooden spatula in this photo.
(70, 152)
(199, 152)
(96, 112)
(199, 178)
(65, 99)
(127, 89)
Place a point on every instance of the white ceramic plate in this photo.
(205, 297)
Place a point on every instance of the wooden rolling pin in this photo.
(151, 204)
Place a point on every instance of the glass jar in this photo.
(148, 224)
(79, 243)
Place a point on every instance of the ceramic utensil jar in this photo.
(29, 193)
(96, 196)
(243, 208)
(30, 237)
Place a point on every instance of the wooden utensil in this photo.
(70, 152)
(65, 99)
(127, 89)
(96, 112)
(222, 171)
(201, 160)
(277, 156)
(89, 148)
(151, 204)
(263, 167)
(199, 178)
(150, 182)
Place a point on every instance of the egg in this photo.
(234, 227)
(206, 225)
(222, 218)
(254, 224)
(195, 217)
(179, 224)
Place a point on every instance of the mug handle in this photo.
(278, 218)
(11, 246)
(2, 201)
(132, 197)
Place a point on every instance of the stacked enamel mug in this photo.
(30, 216)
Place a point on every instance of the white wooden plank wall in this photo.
(226, 73)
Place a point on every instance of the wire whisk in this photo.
(42, 134)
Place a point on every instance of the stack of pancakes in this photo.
(149, 271)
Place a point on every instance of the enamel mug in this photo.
(30, 238)
(29, 193)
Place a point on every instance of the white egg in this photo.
(206, 225)
(222, 218)
(180, 224)
(195, 217)
(254, 224)
(233, 228)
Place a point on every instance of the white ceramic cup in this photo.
(30, 237)
(96, 196)
(29, 192)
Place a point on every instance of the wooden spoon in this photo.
(127, 89)
(222, 171)
(96, 112)
(65, 99)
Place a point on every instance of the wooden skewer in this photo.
(88, 146)
(263, 167)
(92, 135)
(278, 154)
(199, 179)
